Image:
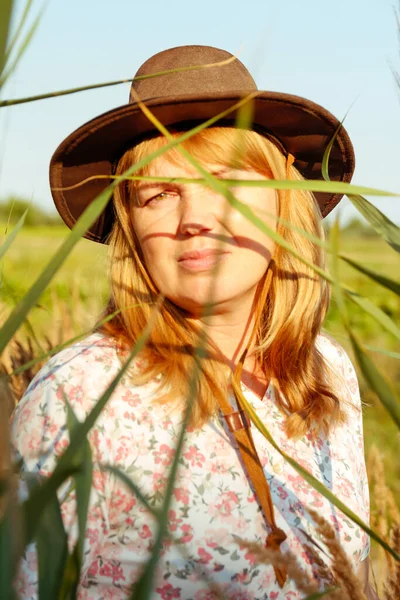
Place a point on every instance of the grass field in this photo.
(74, 299)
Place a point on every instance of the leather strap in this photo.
(239, 424)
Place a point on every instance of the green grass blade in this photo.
(37, 501)
(11, 237)
(378, 221)
(314, 482)
(313, 185)
(6, 558)
(6, 7)
(371, 374)
(19, 314)
(83, 479)
(383, 351)
(375, 312)
(131, 485)
(70, 580)
(376, 381)
(6, 74)
(318, 595)
(12, 43)
(52, 548)
(111, 83)
(386, 282)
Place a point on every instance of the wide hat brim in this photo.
(300, 127)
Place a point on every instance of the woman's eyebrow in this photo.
(145, 185)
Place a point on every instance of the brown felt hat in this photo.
(183, 98)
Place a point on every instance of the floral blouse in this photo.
(213, 502)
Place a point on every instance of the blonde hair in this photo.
(290, 318)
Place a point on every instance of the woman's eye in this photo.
(159, 197)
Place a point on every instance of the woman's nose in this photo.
(197, 213)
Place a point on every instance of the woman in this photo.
(224, 283)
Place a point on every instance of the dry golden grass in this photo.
(392, 586)
(385, 517)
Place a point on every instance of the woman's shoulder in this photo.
(95, 352)
(342, 371)
(79, 373)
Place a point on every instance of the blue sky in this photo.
(337, 54)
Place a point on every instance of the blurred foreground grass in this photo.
(75, 297)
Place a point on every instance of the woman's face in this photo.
(197, 248)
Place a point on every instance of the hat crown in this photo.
(229, 77)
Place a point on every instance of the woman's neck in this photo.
(230, 333)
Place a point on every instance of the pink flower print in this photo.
(205, 556)
(251, 558)
(181, 495)
(61, 445)
(250, 499)
(92, 535)
(129, 415)
(50, 426)
(274, 595)
(98, 481)
(95, 441)
(215, 537)
(338, 524)
(145, 532)
(345, 488)
(233, 497)
(298, 483)
(224, 507)
(241, 525)
(194, 457)
(113, 570)
(282, 493)
(316, 499)
(159, 481)
(242, 577)
(164, 455)
(124, 449)
(121, 502)
(93, 569)
(353, 384)
(61, 393)
(167, 591)
(187, 531)
(173, 520)
(75, 394)
(131, 399)
(218, 466)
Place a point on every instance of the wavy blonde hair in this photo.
(289, 319)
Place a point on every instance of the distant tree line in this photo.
(12, 209)
(355, 227)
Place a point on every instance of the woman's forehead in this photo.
(172, 166)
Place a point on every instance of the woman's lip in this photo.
(201, 260)
(199, 254)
